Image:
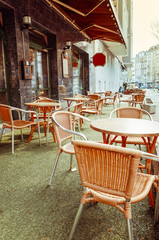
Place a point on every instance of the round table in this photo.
(127, 127)
(45, 107)
(78, 99)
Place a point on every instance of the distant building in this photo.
(146, 68)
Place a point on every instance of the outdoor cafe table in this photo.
(44, 107)
(78, 99)
(129, 127)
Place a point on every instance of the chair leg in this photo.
(76, 221)
(130, 229)
(21, 135)
(72, 169)
(156, 216)
(2, 130)
(47, 134)
(13, 141)
(39, 134)
(71, 157)
(53, 171)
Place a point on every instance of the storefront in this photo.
(34, 58)
(31, 53)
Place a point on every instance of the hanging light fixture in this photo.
(26, 21)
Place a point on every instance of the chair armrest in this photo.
(146, 112)
(150, 156)
(24, 111)
(110, 115)
(81, 116)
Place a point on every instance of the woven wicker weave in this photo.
(130, 112)
(109, 175)
(95, 109)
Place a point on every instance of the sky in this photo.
(144, 13)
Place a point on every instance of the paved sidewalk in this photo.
(154, 95)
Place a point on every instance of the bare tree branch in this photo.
(155, 28)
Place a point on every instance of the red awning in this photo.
(96, 19)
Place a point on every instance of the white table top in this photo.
(42, 104)
(126, 127)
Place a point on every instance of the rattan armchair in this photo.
(110, 100)
(8, 122)
(97, 109)
(49, 112)
(78, 110)
(138, 99)
(109, 175)
(130, 112)
(108, 93)
(63, 127)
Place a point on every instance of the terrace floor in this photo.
(32, 210)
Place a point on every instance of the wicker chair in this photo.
(92, 101)
(94, 96)
(125, 99)
(8, 122)
(108, 93)
(63, 127)
(109, 176)
(76, 120)
(49, 112)
(131, 112)
(97, 109)
(138, 99)
(110, 100)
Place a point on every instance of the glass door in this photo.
(39, 70)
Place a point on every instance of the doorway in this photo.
(4, 82)
(40, 71)
(80, 74)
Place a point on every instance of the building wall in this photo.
(146, 65)
(47, 21)
(102, 78)
(124, 11)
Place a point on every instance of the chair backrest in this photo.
(138, 98)
(80, 96)
(45, 99)
(77, 109)
(144, 92)
(115, 97)
(106, 168)
(5, 114)
(94, 96)
(65, 120)
(99, 105)
(130, 112)
(108, 93)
